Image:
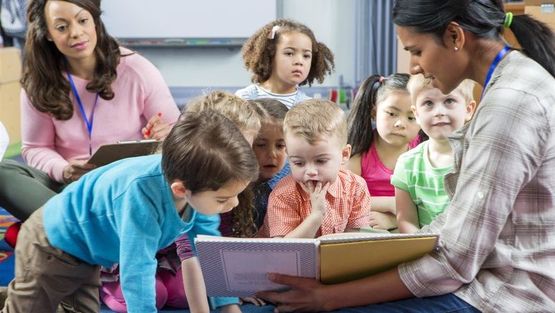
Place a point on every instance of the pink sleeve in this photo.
(38, 140)
(184, 247)
(157, 95)
(140, 93)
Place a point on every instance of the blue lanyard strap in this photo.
(494, 64)
(88, 122)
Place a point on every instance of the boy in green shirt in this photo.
(418, 177)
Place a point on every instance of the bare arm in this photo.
(230, 308)
(309, 295)
(193, 281)
(407, 214)
(309, 227)
(379, 220)
(383, 204)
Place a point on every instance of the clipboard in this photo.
(124, 149)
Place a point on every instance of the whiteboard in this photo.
(187, 22)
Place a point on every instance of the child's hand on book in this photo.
(317, 192)
(254, 300)
(380, 220)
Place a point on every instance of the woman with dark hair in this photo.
(80, 90)
(497, 237)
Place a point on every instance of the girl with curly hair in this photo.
(282, 56)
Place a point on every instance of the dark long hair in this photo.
(484, 18)
(44, 64)
(372, 90)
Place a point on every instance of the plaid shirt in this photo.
(497, 237)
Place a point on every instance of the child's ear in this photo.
(178, 189)
(345, 154)
(470, 108)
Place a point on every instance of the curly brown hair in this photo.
(260, 49)
(243, 220)
(43, 66)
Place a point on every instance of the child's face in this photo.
(319, 162)
(211, 202)
(395, 121)
(269, 148)
(440, 115)
(291, 64)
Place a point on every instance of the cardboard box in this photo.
(10, 73)
(542, 10)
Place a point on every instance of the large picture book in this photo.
(239, 266)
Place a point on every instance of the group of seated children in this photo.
(223, 170)
(402, 151)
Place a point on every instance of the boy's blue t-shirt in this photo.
(122, 213)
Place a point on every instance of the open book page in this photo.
(239, 266)
(366, 236)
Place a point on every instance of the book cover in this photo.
(358, 255)
(239, 266)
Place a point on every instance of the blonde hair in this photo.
(315, 118)
(418, 82)
(242, 113)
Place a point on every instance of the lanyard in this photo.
(494, 64)
(88, 122)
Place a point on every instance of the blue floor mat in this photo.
(7, 258)
(6, 267)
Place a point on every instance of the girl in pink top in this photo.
(80, 91)
(381, 127)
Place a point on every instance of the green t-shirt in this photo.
(414, 174)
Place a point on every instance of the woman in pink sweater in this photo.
(80, 91)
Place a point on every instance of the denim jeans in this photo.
(448, 303)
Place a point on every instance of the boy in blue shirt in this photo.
(124, 213)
